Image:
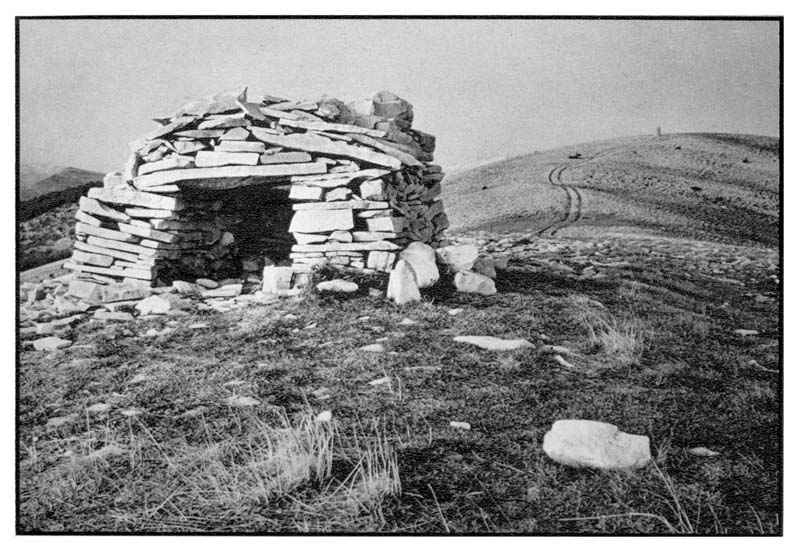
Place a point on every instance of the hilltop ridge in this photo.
(717, 187)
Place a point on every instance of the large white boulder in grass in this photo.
(422, 259)
(474, 283)
(459, 257)
(403, 284)
(592, 444)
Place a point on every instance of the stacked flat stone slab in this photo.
(360, 186)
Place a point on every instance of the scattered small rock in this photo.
(184, 287)
(156, 305)
(58, 421)
(139, 378)
(744, 332)
(192, 413)
(422, 259)
(321, 393)
(106, 452)
(98, 408)
(556, 349)
(407, 322)
(324, 416)
(485, 267)
(458, 257)
(494, 344)
(455, 311)
(206, 283)
(276, 279)
(752, 363)
(563, 362)
(403, 284)
(702, 451)
(105, 315)
(377, 348)
(65, 306)
(37, 293)
(225, 291)
(474, 283)
(501, 262)
(337, 285)
(460, 425)
(241, 401)
(51, 343)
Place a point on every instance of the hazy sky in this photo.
(485, 88)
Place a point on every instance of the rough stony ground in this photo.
(688, 380)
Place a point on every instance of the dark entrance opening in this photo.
(244, 226)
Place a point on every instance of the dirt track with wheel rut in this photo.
(573, 211)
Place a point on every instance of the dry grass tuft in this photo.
(281, 474)
(624, 340)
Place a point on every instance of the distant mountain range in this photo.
(42, 187)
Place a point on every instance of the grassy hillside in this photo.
(207, 422)
(64, 186)
(631, 284)
(48, 200)
(717, 187)
(47, 237)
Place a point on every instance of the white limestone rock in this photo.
(474, 283)
(184, 287)
(337, 285)
(65, 306)
(51, 343)
(458, 257)
(160, 304)
(500, 262)
(592, 444)
(241, 401)
(484, 266)
(276, 279)
(85, 290)
(105, 315)
(422, 259)
(403, 284)
(380, 260)
(224, 291)
(318, 221)
(494, 344)
(373, 348)
(207, 283)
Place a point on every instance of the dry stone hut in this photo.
(226, 185)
